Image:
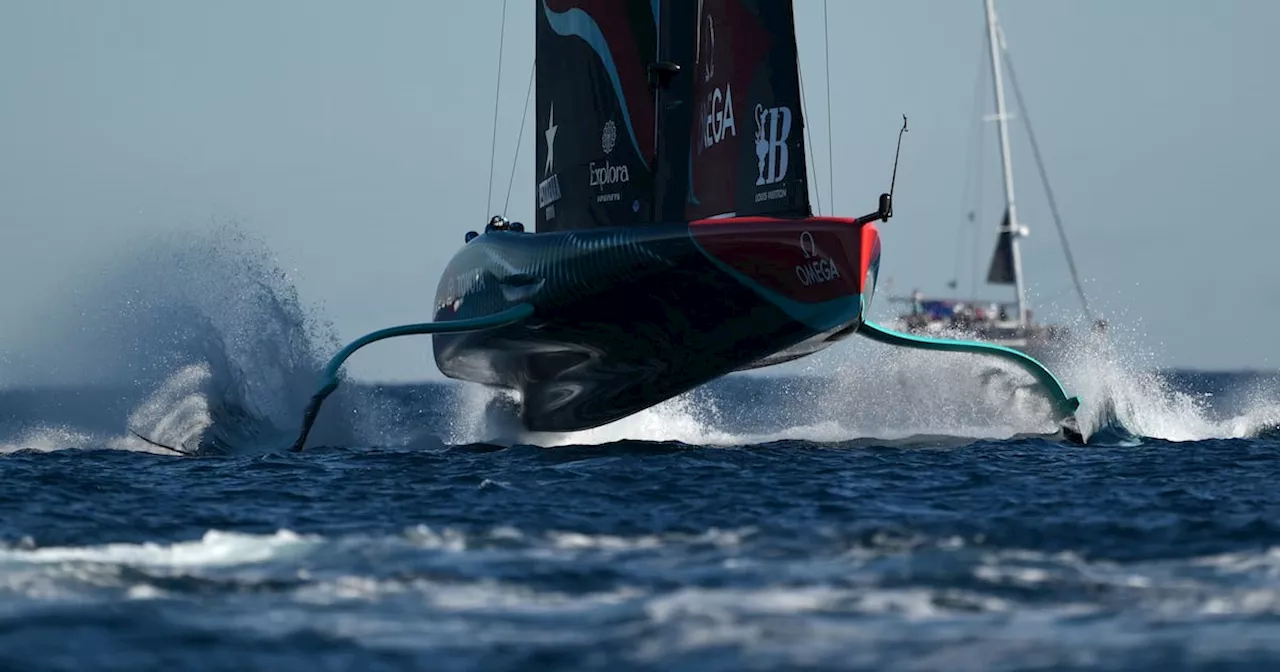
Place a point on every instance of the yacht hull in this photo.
(627, 317)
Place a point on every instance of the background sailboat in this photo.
(1008, 322)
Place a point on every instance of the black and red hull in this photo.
(627, 317)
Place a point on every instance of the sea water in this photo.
(871, 509)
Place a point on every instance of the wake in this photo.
(202, 334)
(858, 391)
(206, 344)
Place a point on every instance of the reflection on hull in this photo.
(627, 317)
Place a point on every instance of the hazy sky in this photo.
(354, 139)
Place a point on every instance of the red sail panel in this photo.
(746, 151)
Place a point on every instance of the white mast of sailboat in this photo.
(1012, 227)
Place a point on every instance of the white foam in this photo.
(485, 415)
(206, 329)
(681, 419)
(177, 413)
(871, 391)
(47, 439)
(1114, 374)
(214, 549)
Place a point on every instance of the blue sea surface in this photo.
(872, 509)
(920, 552)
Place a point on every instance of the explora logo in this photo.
(608, 174)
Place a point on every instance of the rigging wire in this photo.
(493, 146)
(808, 143)
(826, 48)
(524, 118)
(1044, 179)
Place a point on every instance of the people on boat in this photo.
(500, 223)
(497, 223)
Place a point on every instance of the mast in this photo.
(1011, 228)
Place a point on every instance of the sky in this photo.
(354, 140)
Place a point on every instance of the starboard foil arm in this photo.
(329, 378)
(1064, 405)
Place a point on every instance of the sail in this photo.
(1001, 271)
(595, 112)
(746, 150)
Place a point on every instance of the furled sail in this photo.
(1001, 271)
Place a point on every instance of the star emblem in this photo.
(551, 141)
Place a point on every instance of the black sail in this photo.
(619, 145)
(1000, 272)
(595, 115)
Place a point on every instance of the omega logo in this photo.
(815, 270)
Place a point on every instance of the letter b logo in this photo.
(773, 127)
